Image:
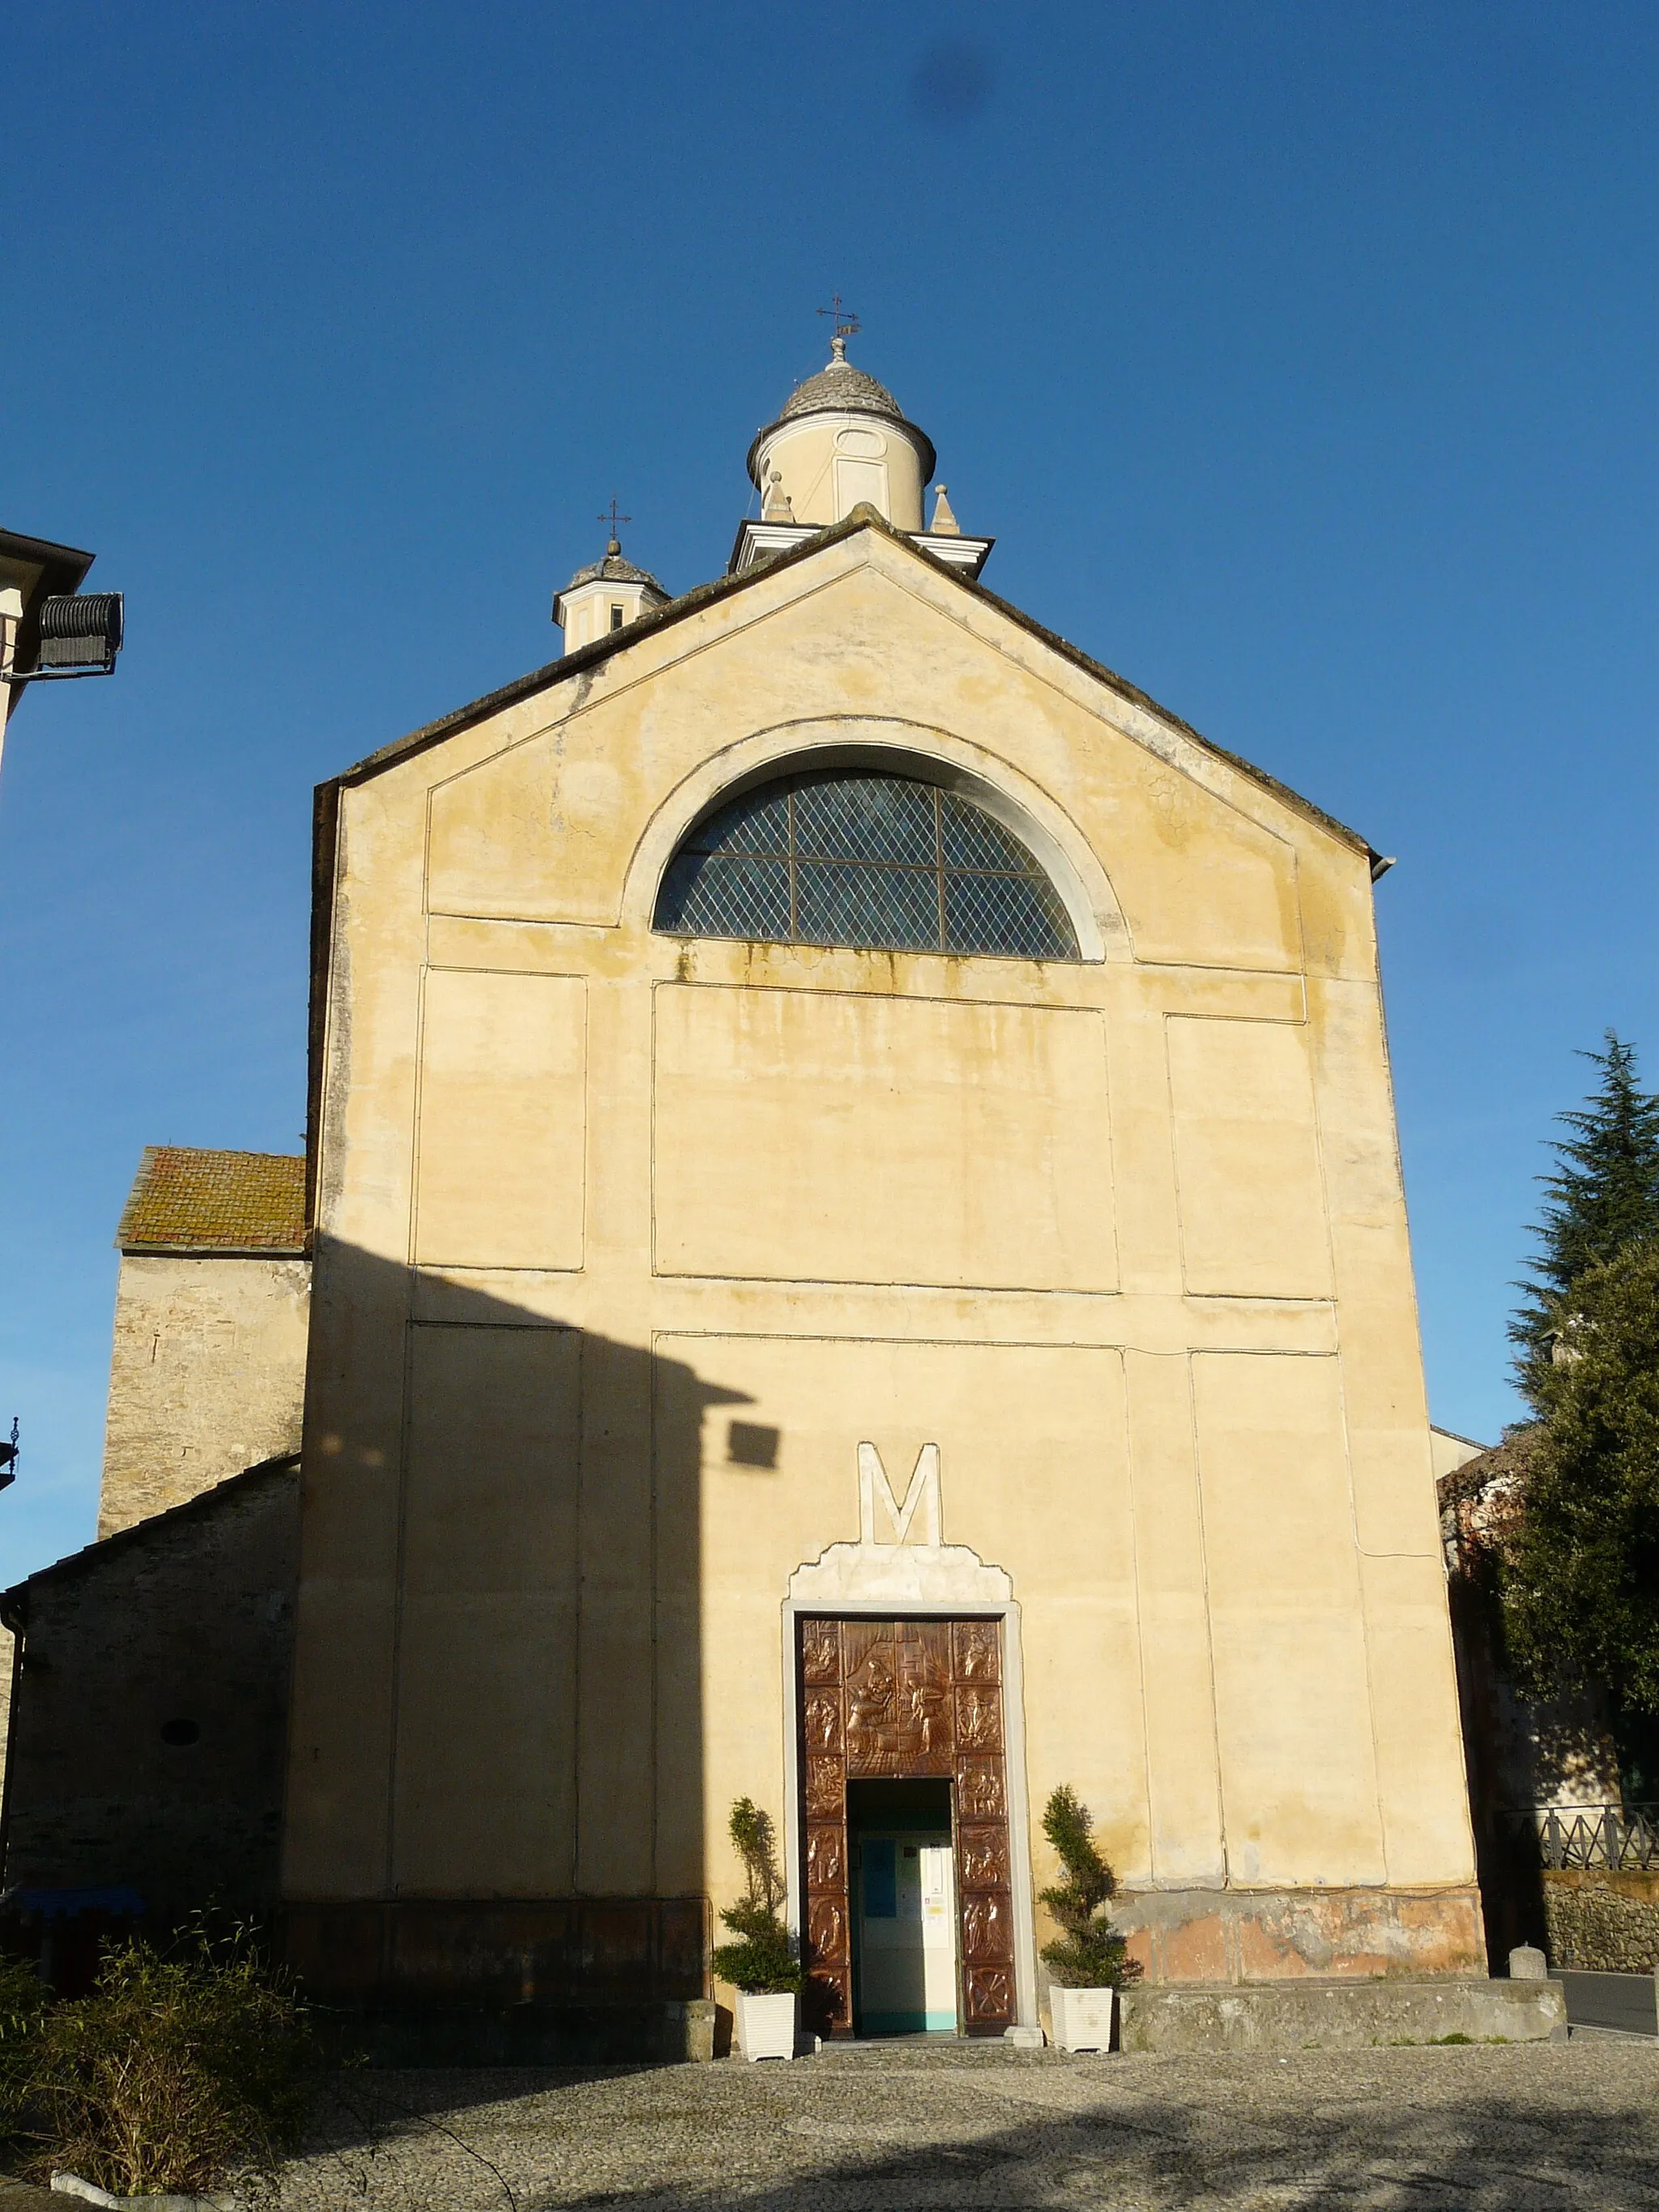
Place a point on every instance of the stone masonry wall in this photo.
(1602, 1921)
(207, 1377)
(149, 1735)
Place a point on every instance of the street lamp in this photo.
(48, 628)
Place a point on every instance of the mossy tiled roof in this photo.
(189, 1201)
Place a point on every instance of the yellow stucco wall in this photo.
(607, 1217)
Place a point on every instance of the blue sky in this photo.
(1300, 358)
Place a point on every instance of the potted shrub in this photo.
(1087, 1963)
(760, 1963)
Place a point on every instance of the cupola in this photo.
(606, 595)
(841, 439)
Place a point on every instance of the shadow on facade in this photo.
(496, 1788)
(501, 1527)
(1507, 1864)
(1355, 2128)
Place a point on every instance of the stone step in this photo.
(1287, 2016)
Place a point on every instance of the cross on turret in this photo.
(844, 325)
(611, 516)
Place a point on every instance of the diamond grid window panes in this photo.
(707, 894)
(866, 818)
(968, 838)
(1017, 914)
(857, 858)
(759, 823)
(880, 908)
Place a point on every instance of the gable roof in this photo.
(863, 516)
(186, 1200)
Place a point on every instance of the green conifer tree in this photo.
(1579, 1571)
(1604, 1194)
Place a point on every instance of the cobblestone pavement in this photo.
(905, 2129)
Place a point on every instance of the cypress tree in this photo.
(1603, 1195)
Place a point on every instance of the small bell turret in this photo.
(608, 594)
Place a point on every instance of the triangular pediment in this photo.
(1140, 715)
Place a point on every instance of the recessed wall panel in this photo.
(500, 1141)
(821, 1136)
(485, 1798)
(1293, 1718)
(1247, 1160)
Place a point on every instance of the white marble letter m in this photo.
(923, 1492)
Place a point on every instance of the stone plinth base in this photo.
(1308, 2016)
(457, 1953)
(1248, 1936)
(545, 1981)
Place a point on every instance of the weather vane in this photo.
(611, 516)
(844, 325)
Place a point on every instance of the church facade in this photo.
(860, 1262)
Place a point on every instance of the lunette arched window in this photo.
(862, 857)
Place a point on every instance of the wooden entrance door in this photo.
(902, 1699)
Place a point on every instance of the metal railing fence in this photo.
(1619, 1836)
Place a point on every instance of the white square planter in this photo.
(1082, 2018)
(766, 2025)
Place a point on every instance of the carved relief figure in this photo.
(979, 1790)
(821, 1724)
(982, 1859)
(826, 1858)
(872, 1705)
(928, 1723)
(826, 1788)
(985, 1930)
(826, 1927)
(978, 1656)
(979, 1719)
(925, 1655)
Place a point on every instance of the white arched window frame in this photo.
(1070, 868)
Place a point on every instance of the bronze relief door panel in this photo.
(902, 1700)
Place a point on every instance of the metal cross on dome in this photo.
(844, 325)
(611, 516)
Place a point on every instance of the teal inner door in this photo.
(904, 1908)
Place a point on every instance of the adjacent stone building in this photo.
(150, 1716)
(145, 1750)
(207, 1373)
